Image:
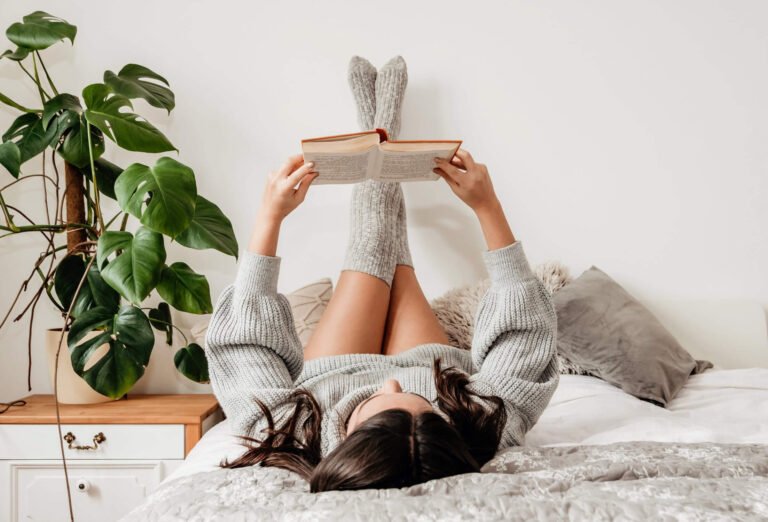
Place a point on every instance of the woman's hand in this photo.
(281, 196)
(470, 181)
(472, 184)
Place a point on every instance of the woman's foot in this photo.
(362, 81)
(391, 81)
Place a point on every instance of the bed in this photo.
(597, 453)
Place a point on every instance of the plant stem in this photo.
(39, 84)
(186, 341)
(93, 178)
(124, 223)
(8, 218)
(30, 176)
(89, 204)
(7, 101)
(24, 284)
(56, 383)
(48, 76)
(45, 194)
(35, 228)
(57, 214)
(113, 219)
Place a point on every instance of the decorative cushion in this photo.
(606, 331)
(307, 303)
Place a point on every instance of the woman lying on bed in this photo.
(378, 398)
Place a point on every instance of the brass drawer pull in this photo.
(69, 438)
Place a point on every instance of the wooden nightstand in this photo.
(117, 453)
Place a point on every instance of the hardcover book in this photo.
(350, 158)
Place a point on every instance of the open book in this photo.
(349, 158)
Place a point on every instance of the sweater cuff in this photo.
(257, 274)
(508, 264)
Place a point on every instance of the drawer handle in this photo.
(69, 438)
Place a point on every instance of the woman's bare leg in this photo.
(410, 320)
(354, 320)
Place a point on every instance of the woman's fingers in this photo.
(457, 161)
(445, 176)
(290, 165)
(301, 192)
(466, 158)
(297, 175)
(451, 170)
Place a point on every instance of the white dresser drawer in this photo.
(101, 492)
(121, 441)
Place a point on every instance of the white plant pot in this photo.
(72, 388)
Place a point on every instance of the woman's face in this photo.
(390, 396)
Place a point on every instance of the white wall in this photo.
(629, 135)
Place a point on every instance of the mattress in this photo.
(717, 406)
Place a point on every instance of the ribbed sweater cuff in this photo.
(508, 264)
(257, 274)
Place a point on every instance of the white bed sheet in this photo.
(716, 406)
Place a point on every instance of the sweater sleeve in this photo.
(514, 344)
(252, 347)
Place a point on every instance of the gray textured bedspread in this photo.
(624, 481)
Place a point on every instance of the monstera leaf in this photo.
(161, 319)
(191, 362)
(18, 55)
(29, 135)
(58, 104)
(10, 158)
(130, 339)
(110, 112)
(74, 148)
(135, 270)
(40, 30)
(170, 188)
(136, 81)
(185, 289)
(209, 228)
(94, 291)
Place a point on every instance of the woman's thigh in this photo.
(355, 319)
(410, 319)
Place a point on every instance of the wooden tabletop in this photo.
(136, 409)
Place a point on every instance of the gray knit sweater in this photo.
(253, 352)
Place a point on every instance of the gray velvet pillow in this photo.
(608, 332)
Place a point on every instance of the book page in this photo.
(340, 167)
(345, 143)
(411, 165)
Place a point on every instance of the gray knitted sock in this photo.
(373, 245)
(362, 81)
(401, 235)
(390, 90)
(391, 82)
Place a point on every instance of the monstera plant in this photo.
(95, 268)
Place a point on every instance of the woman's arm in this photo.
(252, 348)
(514, 344)
(281, 197)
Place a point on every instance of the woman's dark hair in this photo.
(390, 449)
